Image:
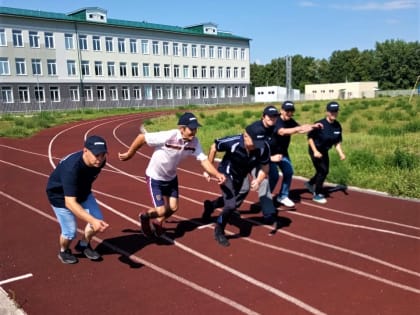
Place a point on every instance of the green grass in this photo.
(381, 137)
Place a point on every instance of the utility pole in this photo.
(289, 91)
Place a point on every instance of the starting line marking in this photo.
(28, 275)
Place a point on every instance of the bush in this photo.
(402, 160)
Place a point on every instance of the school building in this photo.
(86, 59)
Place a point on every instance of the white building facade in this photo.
(347, 90)
(267, 94)
(86, 59)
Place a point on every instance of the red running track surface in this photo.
(357, 254)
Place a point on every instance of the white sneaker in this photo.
(286, 202)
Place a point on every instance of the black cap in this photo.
(333, 107)
(270, 111)
(257, 132)
(189, 120)
(96, 145)
(288, 106)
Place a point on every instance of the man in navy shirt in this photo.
(320, 142)
(242, 154)
(285, 127)
(69, 191)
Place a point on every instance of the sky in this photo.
(276, 28)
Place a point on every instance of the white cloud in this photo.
(307, 4)
(379, 6)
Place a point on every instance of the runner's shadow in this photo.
(125, 246)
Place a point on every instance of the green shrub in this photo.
(402, 160)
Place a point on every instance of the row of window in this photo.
(206, 72)
(115, 93)
(125, 45)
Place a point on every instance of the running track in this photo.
(358, 254)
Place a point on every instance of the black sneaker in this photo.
(87, 251)
(145, 225)
(67, 257)
(208, 210)
(220, 236)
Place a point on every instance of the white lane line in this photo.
(28, 275)
(156, 268)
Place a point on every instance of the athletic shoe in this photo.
(145, 225)
(67, 257)
(220, 236)
(158, 229)
(319, 198)
(309, 187)
(286, 202)
(208, 210)
(87, 251)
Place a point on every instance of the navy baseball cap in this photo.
(270, 111)
(288, 106)
(257, 132)
(189, 120)
(333, 107)
(96, 145)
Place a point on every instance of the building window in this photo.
(178, 92)
(123, 69)
(20, 66)
(155, 47)
(222, 91)
(133, 46)
(204, 92)
(125, 93)
(54, 94)
(109, 46)
(49, 40)
(187, 92)
(24, 94)
(176, 71)
(71, 67)
(195, 72)
(194, 51)
(211, 72)
(237, 91)
(113, 92)
(121, 45)
(211, 52)
(52, 67)
(146, 70)
(165, 48)
(175, 49)
(137, 93)
(186, 72)
(85, 67)
(88, 94)
(3, 41)
(204, 72)
(196, 92)
(98, 68)
(33, 39)
(229, 91)
(135, 69)
(227, 72)
(148, 92)
(74, 93)
(83, 45)
(39, 94)
(68, 41)
(156, 70)
(111, 68)
(219, 52)
(96, 43)
(235, 53)
(213, 92)
(17, 38)
(235, 72)
(145, 47)
(244, 91)
(227, 53)
(169, 95)
(243, 72)
(220, 72)
(36, 67)
(243, 54)
(203, 51)
(100, 93)
(185, 50)
(158, 91)
(166, 71)
(7, 94)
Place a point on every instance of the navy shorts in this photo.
(159, 189)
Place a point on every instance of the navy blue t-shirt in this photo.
(280, 144)
(237, 162)
(328, 136)
(72, 178)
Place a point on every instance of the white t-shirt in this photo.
(170, 149)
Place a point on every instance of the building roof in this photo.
(80, 16)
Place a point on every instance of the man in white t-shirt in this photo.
(171, 147)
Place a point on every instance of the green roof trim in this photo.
(79, 16)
